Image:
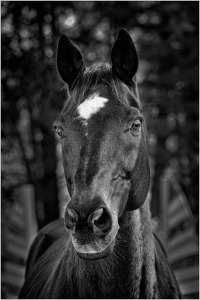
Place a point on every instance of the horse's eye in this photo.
(125, 175)
(59, 132)
(136, 125)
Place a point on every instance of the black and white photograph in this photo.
(99, 149)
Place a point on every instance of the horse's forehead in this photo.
(100, 111)
(91, 105)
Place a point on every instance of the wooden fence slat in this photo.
(184, 252)
(177, 218)
(17, 221)
(17, 209)
(174, 205)
(187, 274)
(15, 269)
(179, 233)
(27, 196)
(12, 279)
(164, 194)
(182, 238)
(11, 296)
(179, 248)
(18, 236)
(15, 240)
(189, 287)
(17, 251)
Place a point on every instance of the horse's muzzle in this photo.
(93, 234)
(94, 248)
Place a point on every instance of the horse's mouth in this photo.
(95, 256)
(93, 251)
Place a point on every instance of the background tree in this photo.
(166, 36)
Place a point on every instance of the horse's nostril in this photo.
(101, 221)
(96, 215)
(71, 218)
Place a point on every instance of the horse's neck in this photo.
(140, 251)
(148, 283)
(130, 246)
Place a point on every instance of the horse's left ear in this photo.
(124, 57)
(69, 60)
(140, 179)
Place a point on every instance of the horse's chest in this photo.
(106, 283)
(104, 289)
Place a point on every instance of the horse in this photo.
(105, 246)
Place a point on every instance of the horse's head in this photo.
(101, 129)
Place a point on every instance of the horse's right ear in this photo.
(69, 60)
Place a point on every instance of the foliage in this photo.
(166, 36)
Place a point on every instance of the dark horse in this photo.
(105, 247)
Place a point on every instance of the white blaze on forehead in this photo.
(91, 106)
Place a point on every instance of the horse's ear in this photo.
(124, 57)
(140, 179)
(69, 60)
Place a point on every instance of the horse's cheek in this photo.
(120, 196)
(70, 153)
(130, 152)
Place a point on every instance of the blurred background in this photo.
(33, 186)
